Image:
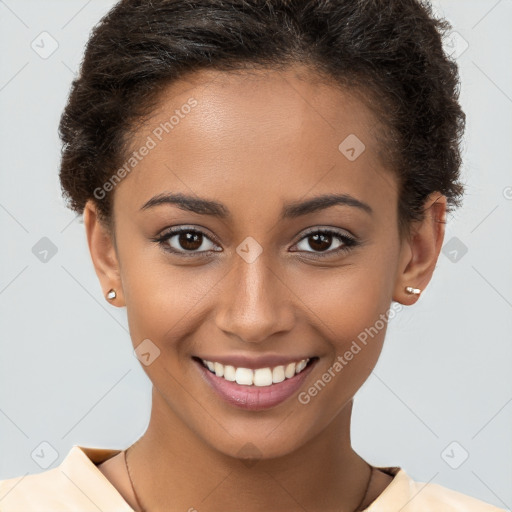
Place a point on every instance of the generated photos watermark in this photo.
(151, 142)
(355, 348)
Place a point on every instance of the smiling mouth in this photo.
(258, 377)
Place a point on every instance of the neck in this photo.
(172, 467)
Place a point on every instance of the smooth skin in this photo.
(255, 142)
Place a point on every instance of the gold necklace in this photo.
(141, 509)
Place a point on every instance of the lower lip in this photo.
(254, 398)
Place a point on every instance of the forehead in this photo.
(249, 136)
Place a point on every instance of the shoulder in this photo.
(24, 492)
(76, 484)
(408, 495)
(434, 495)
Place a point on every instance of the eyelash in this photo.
(348, 242)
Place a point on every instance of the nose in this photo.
(255, 302)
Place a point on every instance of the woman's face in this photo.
(252, 282)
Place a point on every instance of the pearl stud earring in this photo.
(111, 295)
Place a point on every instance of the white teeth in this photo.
(229, 373)
(278, 374)
(219, 369)
(244, 376)
(301, 366)
(259, 377)
(290, 370)
(263, 377)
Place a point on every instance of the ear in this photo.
(419, 253)
(103, 253)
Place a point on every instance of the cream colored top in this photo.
(77, 485)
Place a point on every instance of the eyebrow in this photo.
(290, 210)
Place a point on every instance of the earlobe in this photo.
(103, 254)
(418, 256)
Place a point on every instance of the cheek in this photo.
(161, 304)
(355, 329)
(160, 297)
(349, 308)
(352, 320)
(348, 300)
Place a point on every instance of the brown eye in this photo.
(186, 241)
(321, 241)
(191, 241)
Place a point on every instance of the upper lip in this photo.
(254, 362)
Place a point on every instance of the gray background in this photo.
(67, 372)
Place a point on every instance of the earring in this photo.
(111, 295)
(414, 291)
